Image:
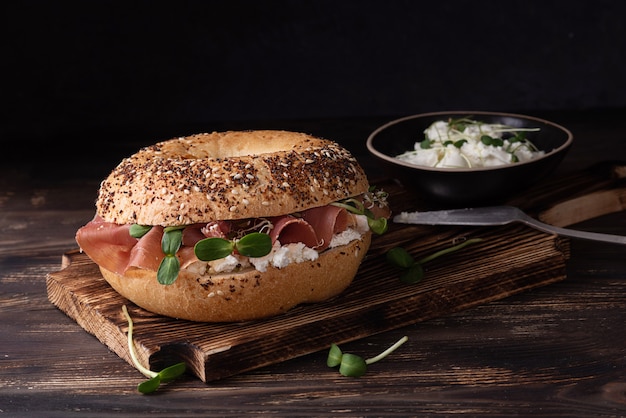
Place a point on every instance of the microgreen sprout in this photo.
(254, 244)
(412, 271)
(170, 265)
(489, 140)
(138, 231)
(352, 365)
(375, 197)
(155, 378)
(170, 243)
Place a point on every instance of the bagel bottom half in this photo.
(245, 295)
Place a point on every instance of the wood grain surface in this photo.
(376, 301)
(555, 351)
(509, 260)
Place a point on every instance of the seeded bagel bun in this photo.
(245, 295)
(228, 175)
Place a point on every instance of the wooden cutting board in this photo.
(509, 260)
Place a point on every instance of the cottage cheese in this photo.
(448, 146)
(281, 255)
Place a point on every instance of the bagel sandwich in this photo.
(233, 226)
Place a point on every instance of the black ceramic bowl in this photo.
(467, 186)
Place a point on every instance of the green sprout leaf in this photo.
(150, 385)
(210, 249)
(170, 266)
(155, 378)
(377, 225)
(413, 271)
(518, 137)
(138, 231)
(255, 244)
(168, 270)
(413, 274)
(171, 241)
(400, 257)
(172, 372)
(486, 139)
(352, 365)
(334, 356)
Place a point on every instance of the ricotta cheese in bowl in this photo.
(468, 158)
(468, 143)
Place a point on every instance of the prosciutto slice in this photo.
(290, 229)
(147, 253)
(192, 234)
(327, 221)
(186, 256)
(112, 247)
(107, 244)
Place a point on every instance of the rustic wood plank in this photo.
(376, 301)
(508, 261)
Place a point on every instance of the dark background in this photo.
(111, 75)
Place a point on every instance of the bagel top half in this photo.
(226, 176)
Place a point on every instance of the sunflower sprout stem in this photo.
(449, 250)
(387, 351)
(131, 347)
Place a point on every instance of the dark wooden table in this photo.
(559, 350)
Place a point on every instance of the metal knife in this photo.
(498, 215)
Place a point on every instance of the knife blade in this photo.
(497, 215)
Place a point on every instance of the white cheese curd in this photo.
(426, 157)
(281, 255)
(293, 253)
(350, 234)
(362, 225)
(481, 155)
(459, 144)
(222, 265)
(344, 237)
(450, 156)
(229, 263)
(438, 130)
(261, 263)
(197, 267)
